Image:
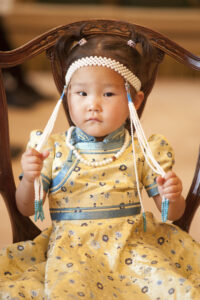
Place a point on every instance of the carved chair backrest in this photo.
(22, 227)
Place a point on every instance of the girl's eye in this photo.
(109, 94)
(82, 93)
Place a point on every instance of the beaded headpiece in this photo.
(130, 79)
(104, 62)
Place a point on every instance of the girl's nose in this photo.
(94, 108)
(94, 105)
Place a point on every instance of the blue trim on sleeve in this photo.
(153, 192)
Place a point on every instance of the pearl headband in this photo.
(104, 62)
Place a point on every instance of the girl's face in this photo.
(97, 100)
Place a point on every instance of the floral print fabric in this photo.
(108, 257)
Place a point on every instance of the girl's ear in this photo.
(138, 99)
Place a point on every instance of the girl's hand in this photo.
(32, 162)
(170, 186)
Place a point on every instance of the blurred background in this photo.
(172, 109)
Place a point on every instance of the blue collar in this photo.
(79, 136)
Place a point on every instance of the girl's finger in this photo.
(172, 182)
(172, 190)
(160, 180)
(45, 154)
(170, 175)
(32, 152)
(33, 167)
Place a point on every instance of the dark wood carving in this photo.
(22, 227)
(48, 39)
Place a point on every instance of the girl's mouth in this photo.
(93, 120)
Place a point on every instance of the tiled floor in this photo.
(173, 109)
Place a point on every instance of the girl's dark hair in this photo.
(141, 59)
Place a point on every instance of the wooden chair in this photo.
(22, 227)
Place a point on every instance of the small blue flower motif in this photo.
(163, 143)
(66, 199)
(118, 234)
(95, 177)
(71, 183)
(178, 265)
(107, 195)
(144, 289)
(189, 268)
(100, 285)
(159, 282)
(130, 194)
(181, 241)
(81, 294)
(63, 189)
(161, 240)
(105, 238)
(33, 259)
(95, 244)
(77, 169)
(175, 230)
(110, 278)
(58, 154)
(171, 291)
(130, 222)
(169, 154)
(39, 132)
(122, 167)
(7, 273)
(34, 294)
(182, 280)
(69, 265)
(128, 261)
(188, 288)
(20, 247)
(71, 232)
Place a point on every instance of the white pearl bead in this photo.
(104, 61)
(95, 163)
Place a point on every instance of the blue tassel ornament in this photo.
(164, 209)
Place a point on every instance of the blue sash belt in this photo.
(93, 213)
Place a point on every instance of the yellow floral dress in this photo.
(96, 246)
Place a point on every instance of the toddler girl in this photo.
(100, 244)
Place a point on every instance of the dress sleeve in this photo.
(164, 154)
(46, 172)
